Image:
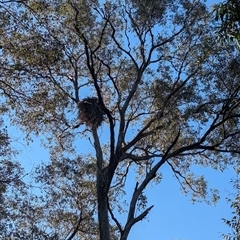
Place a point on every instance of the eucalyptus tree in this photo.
(142, 82)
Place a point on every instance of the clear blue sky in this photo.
(173, 217)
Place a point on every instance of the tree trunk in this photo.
(103, 220)
(102, 198)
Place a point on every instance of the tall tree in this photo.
(147, 74)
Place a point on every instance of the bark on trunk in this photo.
(102, 198)
(103, 219)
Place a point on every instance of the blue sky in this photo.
(173, 217)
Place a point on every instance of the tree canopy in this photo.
(144, 83)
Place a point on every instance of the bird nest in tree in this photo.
(90, 112)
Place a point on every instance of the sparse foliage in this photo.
(11, 182)
(159, 87)
(234, 223)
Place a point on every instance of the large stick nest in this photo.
(90, 112)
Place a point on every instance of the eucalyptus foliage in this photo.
(11, 180)
(227, 13)
(168, 93)
(234, 222)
